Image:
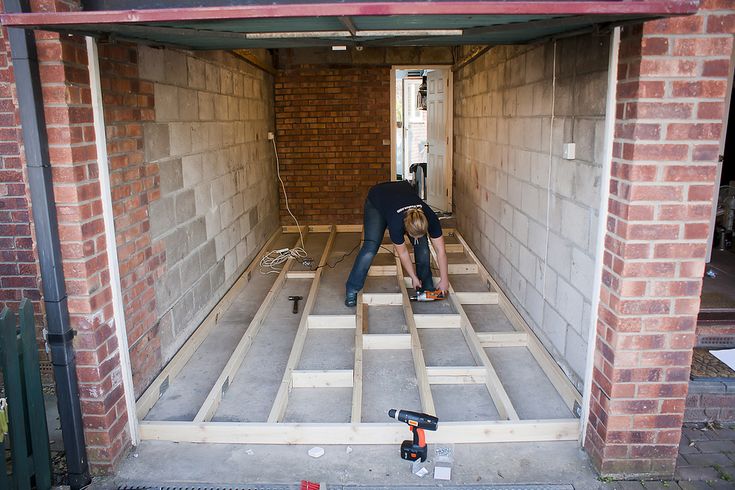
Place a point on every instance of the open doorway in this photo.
(421, 139)
(716, 321)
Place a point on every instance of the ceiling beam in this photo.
(493, 7)
(349, 25)
(183, 37)
(563, 22)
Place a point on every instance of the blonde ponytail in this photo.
(415, 223)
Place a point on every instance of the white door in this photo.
(437, 194)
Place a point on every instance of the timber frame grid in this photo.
(509, 429)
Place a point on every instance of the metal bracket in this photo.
(59, 338)
(577, 410)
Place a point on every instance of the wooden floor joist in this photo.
(436, 321)
(422, 379)
(331, 321)
(503, 339)
(388, 341)
(382, 270)
(210, 404)
(492, 381)
(363, 433)
(356, 412)
(355, 431)
(567, 391)
(279, 404)
(169, 372)
(452, 375)
(338, 378)
(382, 299)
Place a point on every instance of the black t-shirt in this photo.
(392, 199)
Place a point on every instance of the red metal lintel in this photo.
(495, 7)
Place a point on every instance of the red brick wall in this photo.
(64, 75)
(670, 105)
(331, 124)
(128, 103)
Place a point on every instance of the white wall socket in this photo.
(569, 151)
(270, 135)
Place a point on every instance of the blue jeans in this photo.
(374, 226)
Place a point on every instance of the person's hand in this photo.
(443, 285)
(416, 282)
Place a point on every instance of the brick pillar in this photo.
(81, 230)
(69, 120)
(670, 108)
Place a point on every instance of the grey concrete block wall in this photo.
(531, 215)
(219, 200)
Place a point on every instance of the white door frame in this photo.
(718, 178)
(449, 104)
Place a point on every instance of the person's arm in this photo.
(441, 258)
(407, 263)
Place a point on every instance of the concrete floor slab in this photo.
(445, 347)
(529, 389)
(328, 349)
(389, 376)
(389, 381)
(189, 388)
(319, 405)
(263, 366)
(386, 319)
(474, 464)
(381, 284)
(468, 282)
(488, 318)
(476, 404)
(331, 296)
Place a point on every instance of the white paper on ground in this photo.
(442, 473)
(725, 355)
(316, 452)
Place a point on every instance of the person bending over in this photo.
(395, 205)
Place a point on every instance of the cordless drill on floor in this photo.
(417, 422)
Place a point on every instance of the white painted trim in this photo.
(610, 116)
(109, 221)
(718, 180)
(393, 121)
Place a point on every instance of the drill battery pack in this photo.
(413, 452)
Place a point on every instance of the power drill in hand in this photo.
(417, 422)
(427, 295)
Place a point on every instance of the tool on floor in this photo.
(417, 422)
(309, 485)
(435, 295)
(295, 300)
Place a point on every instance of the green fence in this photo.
(28, 441)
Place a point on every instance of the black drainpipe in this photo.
(60, 334)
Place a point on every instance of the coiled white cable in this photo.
(270, 261)
(274, 258)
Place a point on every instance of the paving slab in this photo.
(707, 459)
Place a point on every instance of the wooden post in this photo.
(14, 394)
(34, 397)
